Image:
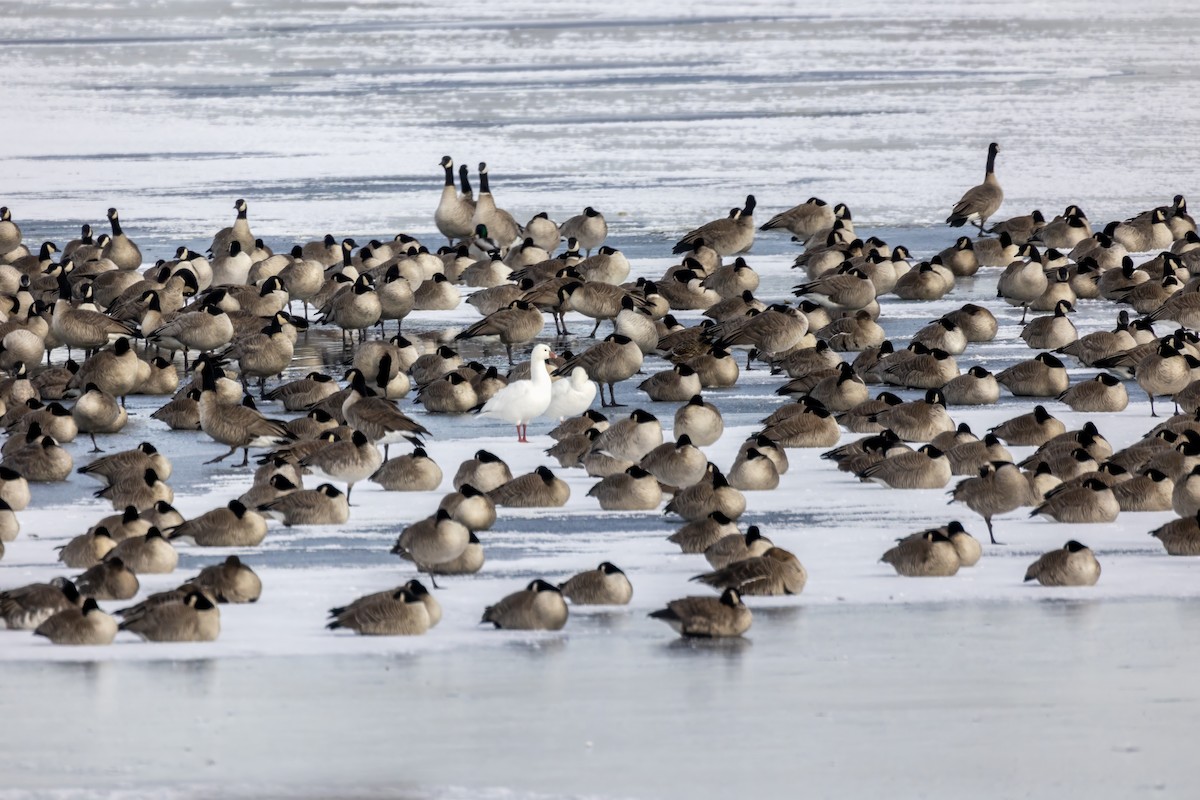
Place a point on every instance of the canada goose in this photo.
(852, 333)
(471, 507)
(501, 226)
(969, 457)
(1030, 430)
(345, 461)
(975, 387)
(1050, 333)
(633, 437)
(697, 536)
(634, 489)
(1093, 501)
(237, 426)
(982, 201)
(81, 327)
(21, 345)
(145, 456)
(325, 505)
(149, 554)
(120, 249)
(678, 463)
(539, 606)
(262, 355)
(123, 525)
(700, 421)
(415, 472)
(97, 411)
(454, 212)
(778, 329)
(232, 525)
(537, 489)
(141, 489)
(1103, 393)
(26, 607)
(1022, 283)
(930, 555)
(42, 461)
(111, 579)
(1072, 565)
(53, 419)
(919, 420)
(450, 394)
(1185, 496)
(432, 541)
(571, 450)
(753, 471)
(812, 426)
(485, 471)
(1180, 537)
(14, 489)
(1019, 228)
(589, 229)
(10, 233)
(585, 421)
(230, 581)
(999, 488)
(206, 330)
(728, 237)
(1041, 376)
(999, 252)
(813, 217)
(79, 626)
(1149, 492)
(181, 413)
(775, 572)
(704, 497)
(606, 585)
(926, 468)
(87, 549)
(414, 587)
(396, 613)
(928, 281)
(609, 362)
(193, 618)
(1143, 235)
(675, 385)
(275, 487)
(844, 291)
(707, 617)
(1164, 372)
(377, 417)
(300, 394)
(518, 324)
(735, 307)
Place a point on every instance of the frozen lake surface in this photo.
(331, 117)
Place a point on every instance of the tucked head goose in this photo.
(26, 607)
(230, 581)
(775, 572)
(232, 525)
(537, 489)
(87, 549)
(111, 579)
(1073, 565)
(193, 618)
(930, 555)
(707, 617)
(415, 472)
(982, 201)
(728, 237)
(325, 505)
(999, 488)
(485, 471)
(79, 626)
(395, 613)
(698, 535)
(539, 606)
(700, 421)
(432, 541)
(678, 463)
(634, 489)
(606, 585)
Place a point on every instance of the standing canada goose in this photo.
(26, 607)
(537, 489)
(609, 362)
(78, 327)
(86, 550)
(775, 572)
(397, 613)
(1180, 537)
(454, 211)
(1073, 565)
(606, 585)
(1000, 488)
(111, 579)
(778, 329)
(262, 355)
(232, 525)
(79, 626)
(522, 401)
(115, 371)
(539, 606)
(1164, 372)
(415, 472)
(193, 618)
(929, 555)
(97, 411)
(1041, 376)
(236, 426)
(230, 581)
(10, 234)
(120, 249)
(499, 223)
(485, 471)
(589, 230)
(982, 201)
(432, 541)
(1093, 501)
(707, 617)
(728, 237)
(346, 461)
(325, 505)
(378, 417)
(635, 489)
(700, 421)
(518, 324)
(355, 308)
(239, 232)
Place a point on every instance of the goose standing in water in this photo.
(982, 201)
(521, 401)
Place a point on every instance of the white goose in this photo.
(521, 401)
(570, 397)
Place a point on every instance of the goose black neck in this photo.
(116, 227)
(991, 162)
(449, 175)
(483, 183)
(464, 181)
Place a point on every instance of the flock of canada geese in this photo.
(205, 331)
